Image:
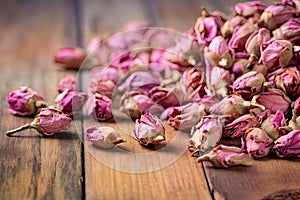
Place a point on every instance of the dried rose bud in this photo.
(276, 14)
(218, 81)
(206, 134)
(290, 30)
(288, 145)
(226, 156)
(123, 62)
(249, 84)
(248, 9)
(103, 137)
(232, 107)
(164, 96)
(273, 123)
(297, 107)
(237, 128)
(149, 129)
(67, 82)
(100, 106)
(24, 101)
(48, 122)
(240, 36)
(136, 103)
(186, 116)
(257, 143)
(254, 41)
(207, 101)
(229, 26)
(240, 66)
(288, 81)
(276, 53)
(70, 102)
(159, 61)
(273, 99)
(70, 57)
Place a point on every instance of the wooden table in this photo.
(61, 167)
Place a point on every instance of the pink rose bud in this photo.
(47, 122)
(232, 107)
(272, 125)
(70, 102)
(273, 99)
(237, 128)
(205, 135)
(67, 82)
(186, 116)
(276, 53)
(290, 30)
(70, 57)
(240, 35)
(100, 106)
(229, 26)
(219, 81)
(149, 129)
(105, 73)
(297, 107)
(249, 9)
(249, 84)
(164, 96)
(160, 61)
(24, 101)
(224, 156)
(288, 81)
(103, 137)
(288, 145)
(257, 143)
(254, 41)
(136, 103)
(123, 62)
(276, 14)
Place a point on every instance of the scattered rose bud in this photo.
(24, 101)
(67, 82)
(99, 106)
(290, 30)
(205, 135)
(149, 129)
(103, 137)
(229, 26)
(257, 143)
(70, 57)
(273, 123)
(248, 9)
(238, 127)
(186, 116)
(288, 145)
(249, 84)
(226, 156)
(48, 122)
(218, 81)
(164, 96)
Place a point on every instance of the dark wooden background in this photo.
(60, 167)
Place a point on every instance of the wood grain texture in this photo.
(32, 166)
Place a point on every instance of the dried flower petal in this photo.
(288, 145)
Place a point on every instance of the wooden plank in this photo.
(32, 166)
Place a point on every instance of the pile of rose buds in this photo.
(227, 77)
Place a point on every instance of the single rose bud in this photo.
(186, 116)
(224, 156)
(100, 107)
(241, 66)
(205, 135)
(70, 57)
(296, 108)
(24, 101)
(273, 123)
(248, 85)
(137, 103)
(123, 62)
(288, 145)
(257, 143)
(273, 99)
(103, 137)
(288, 81)
(164, 96)
(70, 102)
(254, 41)
(290, 30)
(249, 9)
(240, 35)
(67, 82)
(237, 128)
(48, 122)
(218, 81)
(276, 14)
(276, 53)
(232, 107)
(229, 26)
(149, 129)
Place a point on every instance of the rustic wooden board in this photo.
(31, 166)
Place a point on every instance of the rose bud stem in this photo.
(24, 127)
